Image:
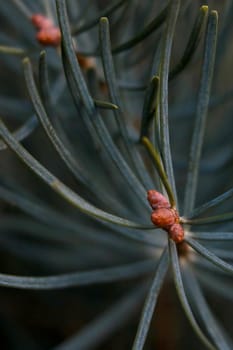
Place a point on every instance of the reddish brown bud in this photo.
(164, 218)
(40, 21)
(176, 233)
(47, 33)
(49, 36)
(86, 62)
(157, 200)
